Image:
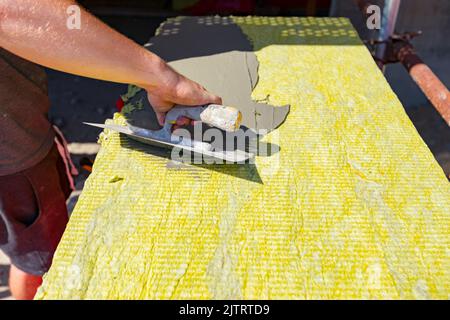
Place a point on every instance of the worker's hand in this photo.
(177, 89)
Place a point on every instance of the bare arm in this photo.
(37, 31)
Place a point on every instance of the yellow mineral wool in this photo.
(353, 206)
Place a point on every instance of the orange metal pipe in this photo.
(423, 76)
(427, 80)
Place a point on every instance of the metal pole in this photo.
(363, 5)
(401, 50)
(425, 78)
(333, 8)
(388, 21)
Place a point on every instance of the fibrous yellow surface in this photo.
(352, 206)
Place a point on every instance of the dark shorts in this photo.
(33, 213)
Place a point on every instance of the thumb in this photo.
(212, 98)
(190, 93)
(203, 96)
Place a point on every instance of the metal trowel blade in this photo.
(235, 156)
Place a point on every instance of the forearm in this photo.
(37, 31)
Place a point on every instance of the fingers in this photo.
(160, 107)
(214, 99)
(182, 122)
(187, 93)
(161, 117)
(208, 97)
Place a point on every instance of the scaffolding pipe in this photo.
(433, 88)
(427, 81)
(363, 5)
(388, 22)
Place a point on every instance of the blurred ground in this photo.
(76, 99)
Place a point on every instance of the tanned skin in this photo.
(37, 31)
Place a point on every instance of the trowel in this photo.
(222, 117)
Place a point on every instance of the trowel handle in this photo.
(222, 117)
(216, 115)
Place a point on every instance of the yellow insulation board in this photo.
(353, 206)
